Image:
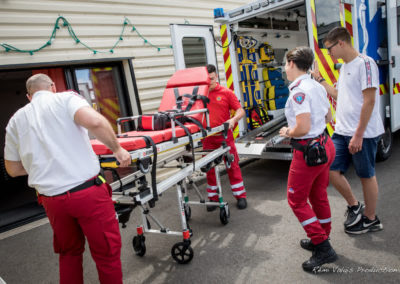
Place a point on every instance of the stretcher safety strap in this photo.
(195, 121)
(178, 99)
(192, 98)
(190, 139)
(149, 142)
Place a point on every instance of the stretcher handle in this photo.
(186, 113)
(121, 120)
(189, 112)
(126, 119)
(118, 163)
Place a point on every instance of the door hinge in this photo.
(393, 61)
(387, 111)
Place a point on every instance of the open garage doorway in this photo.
(18, 203)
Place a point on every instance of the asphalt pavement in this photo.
(258, 245)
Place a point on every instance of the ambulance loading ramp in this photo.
(265, 143)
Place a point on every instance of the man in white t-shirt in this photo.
(48, 140)
(358, 129)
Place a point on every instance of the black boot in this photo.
(307, 244)
(241, 203)
(322, 254)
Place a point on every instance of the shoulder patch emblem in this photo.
(219, 98)
(299, 98)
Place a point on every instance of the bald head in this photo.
(39, 82)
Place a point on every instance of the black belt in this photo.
(296, 145)
(98, 180)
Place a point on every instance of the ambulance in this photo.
(254, 39)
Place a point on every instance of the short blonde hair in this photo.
(38, 82)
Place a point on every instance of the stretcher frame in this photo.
(143, 196)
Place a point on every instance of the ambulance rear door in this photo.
(393, 27)
(193, 45)
(322, 16)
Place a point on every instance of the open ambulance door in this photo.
(193, 45)
(392, 111)
(393, 22)
(322, 16)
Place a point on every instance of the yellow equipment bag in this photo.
(266, 53)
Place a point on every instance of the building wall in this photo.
(98, 23)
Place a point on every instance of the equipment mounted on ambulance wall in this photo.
(266, 53)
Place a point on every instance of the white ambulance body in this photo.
(285, 24)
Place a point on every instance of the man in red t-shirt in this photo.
(222, 101)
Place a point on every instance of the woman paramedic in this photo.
(307, 111)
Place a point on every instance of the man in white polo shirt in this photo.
(48, 140)
(357, 131)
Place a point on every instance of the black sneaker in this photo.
(307, 244)
(353, 215)
(241, 203)
(365, 225)
(323, 253)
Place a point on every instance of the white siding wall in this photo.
(28, 25)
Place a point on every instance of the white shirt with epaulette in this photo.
(307, 96)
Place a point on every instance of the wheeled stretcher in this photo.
(179, 126)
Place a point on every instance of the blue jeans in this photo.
(363, 161)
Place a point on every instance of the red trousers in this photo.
(89, 212)
(309, 184)
(234, 173)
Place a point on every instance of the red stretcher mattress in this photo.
(133, 141)
(185, 81)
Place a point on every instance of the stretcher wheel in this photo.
(224, 215)
(143, 168)
(188, 212)
(139, 246)
(182, 252)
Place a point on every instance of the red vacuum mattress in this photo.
(132, 142)
(184, 81)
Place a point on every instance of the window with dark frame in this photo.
(102, 88)
(327, 14)
(398, 22)
(194, 51)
